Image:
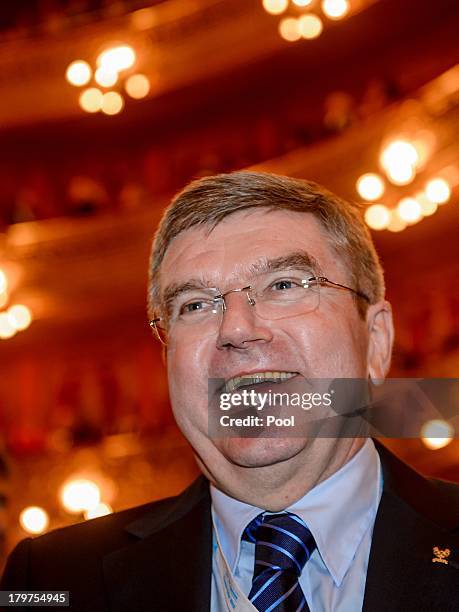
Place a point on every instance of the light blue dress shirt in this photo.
(340, 512)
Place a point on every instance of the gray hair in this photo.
(207, 201)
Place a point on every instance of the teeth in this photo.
(257, 377)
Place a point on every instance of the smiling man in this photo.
(265, 282)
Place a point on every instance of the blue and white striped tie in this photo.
(283, 544)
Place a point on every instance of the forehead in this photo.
(241, 239)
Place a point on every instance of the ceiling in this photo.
(218, 67)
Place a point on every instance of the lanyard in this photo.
(229, 596)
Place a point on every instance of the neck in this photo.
(277, 486)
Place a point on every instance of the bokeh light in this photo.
(370, 186)
(137, 86)
(335, 9)
(6, 329)
(144, 19)
(437, 433)
(409, 210)
(302, 3)
(396, 224)
(34, 520)
(438, 190)
(3, 282)
(117, 58)
(78, 73)
(401, 175)
(101, 509)
(427, 206)
(310, 26)
(80, 495)
(377, 216)
(91, 100)
(112, 103)
(399, 159)
(19, 316)
(399, 152)
(104, 77)
(424, 143)
(275, 7)
(289, 29)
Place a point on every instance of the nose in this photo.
(240, 325)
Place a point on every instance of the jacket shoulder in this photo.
(436, 500)
(73, 555)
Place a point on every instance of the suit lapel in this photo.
(168, 566)
(401, 573)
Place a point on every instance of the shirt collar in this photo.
(338, 511)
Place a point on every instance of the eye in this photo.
(285, 284)
(196, 307)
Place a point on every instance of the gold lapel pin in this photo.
(440, 555)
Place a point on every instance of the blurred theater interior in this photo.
(108, 107)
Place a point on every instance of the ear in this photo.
(380, 340)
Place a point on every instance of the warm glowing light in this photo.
(105, 78)
(396, 224)
(91, 100)
(401, 175)
(3, 298)
(409, 210)
(289, 29)
(117, 58)
(302, 3)
(399, 152)
(3, 282)
(112, 103)
(6, 329)
(78, 73)
(335, 9)
(399, 159)
(437, 433)
(438, 190)
(19, 316)
(144, 19)
(424, 143)
(137, 86)
(34, 519)
(377, 216)
(100, 510)
(427, 206)
(275, 7)
(80, 495)
(310, 26)
(370, 186)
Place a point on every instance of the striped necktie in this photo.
(283, 544)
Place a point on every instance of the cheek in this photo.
(187, 378)
(330, 348)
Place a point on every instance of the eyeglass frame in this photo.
(321, 280)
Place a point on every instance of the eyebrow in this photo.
(173, 290)
(298, 260)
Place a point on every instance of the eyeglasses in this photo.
(274, 297)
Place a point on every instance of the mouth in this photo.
(256, 378)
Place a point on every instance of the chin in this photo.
(259, 452)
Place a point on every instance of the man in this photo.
(261, 280)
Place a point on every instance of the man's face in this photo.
(329, 342)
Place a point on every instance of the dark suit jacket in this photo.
(157, 557)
